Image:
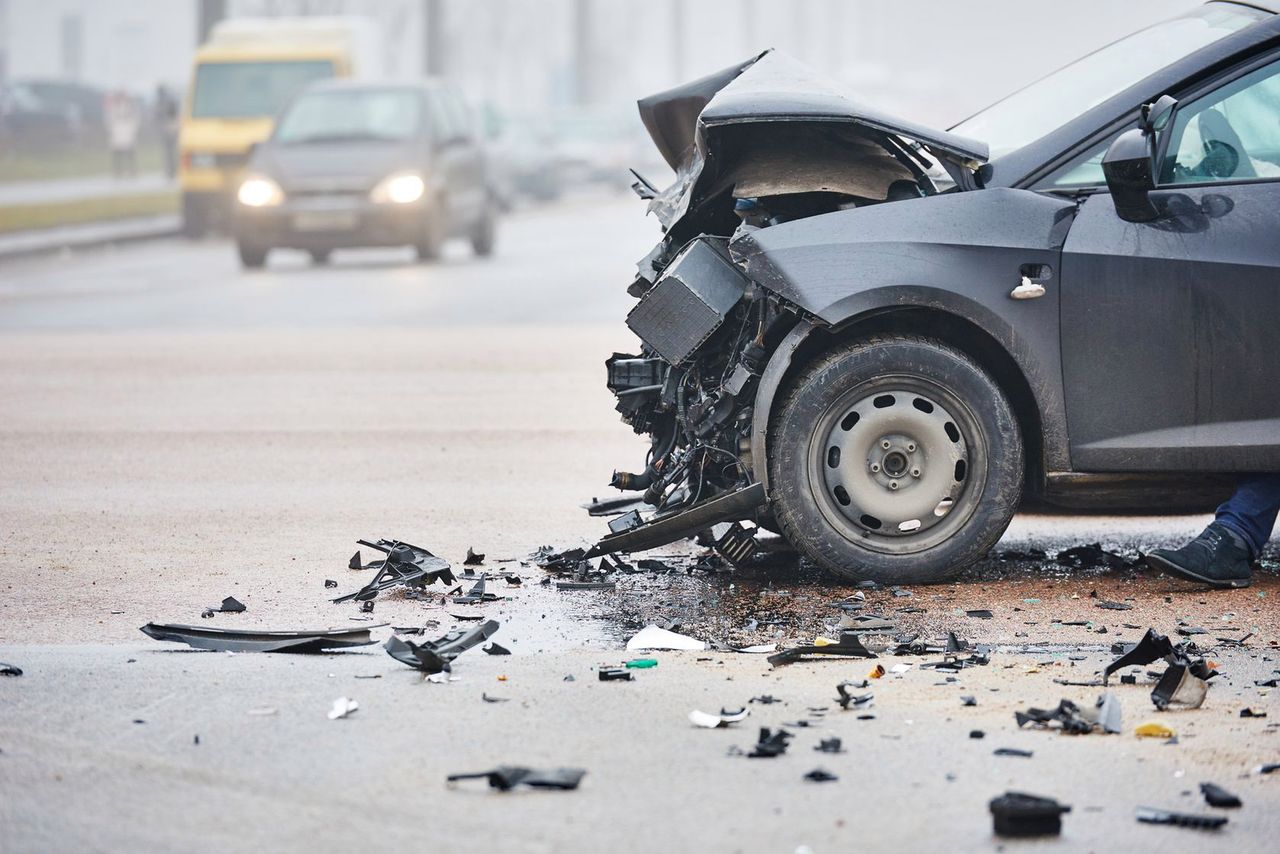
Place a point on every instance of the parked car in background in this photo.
(367, 164)
(242, 77)
(876, 337)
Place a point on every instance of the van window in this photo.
(247, 90)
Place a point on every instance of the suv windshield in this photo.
(248, 90)
(388, 114)
(1050, 102)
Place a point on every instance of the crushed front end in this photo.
(756, 145)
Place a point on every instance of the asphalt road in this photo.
(174, 430)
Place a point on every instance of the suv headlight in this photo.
(259, 191)
(401, 189)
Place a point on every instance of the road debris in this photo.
(980, 613)
(433, 657)
(615, 674)
(1185, 682)
(653, 637)
(496, 649)
(849, 645)
(473, 558)
(641, 663)
(1020, 814)
(507, 777)
(405, 564)
(1094, 556)
(724, 719)
(342, 707)
(829, 745)
(10, 669)
(1252, 713)
(1012, 751)
(770, 744)
(1105, 715)
(477, 594)
(230, 605)
(1152, 815)
(848, 700)
(329, 583)
(245, 640)
(1216, 796)
(820, 775)
(1154, 729)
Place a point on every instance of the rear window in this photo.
(246, 90)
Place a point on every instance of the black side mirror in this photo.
(1129, 166)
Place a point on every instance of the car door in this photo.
(1170, 359)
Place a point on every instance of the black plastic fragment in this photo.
(477, 594)
(770, 744)
(1152, 815)
(820, 775)
(507, 777)
(366, 607)
(1012, 751)
(472, 559)
(1216, 796)
(1067, 714)
(1113, 606)
(1019, 814)
(10, 669)
(980, 613)
(355, 562)
(615, 674)
(830, 745)
(1252, 713)
(330, 583)
(849, 645)
(404, 564)
(496, 649)
(848, 700)
(437, 656)
(231, 605)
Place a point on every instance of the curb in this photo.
(22, 244)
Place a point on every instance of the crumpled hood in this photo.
(776, 87)
(706, 129)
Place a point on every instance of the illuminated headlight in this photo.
(401, 189)
(259, 192)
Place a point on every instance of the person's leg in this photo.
(1223, 554)
(1250, 513)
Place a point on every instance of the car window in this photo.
(327, 116)
(1084, 171)
(1233, 133)
(441, 119)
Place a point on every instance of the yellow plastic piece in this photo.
(1154, 729)
(823, 642)
(876, 672)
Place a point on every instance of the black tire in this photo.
(485, 234)
(320, 257)
(855, 411)
(252, 257)
(431, 237)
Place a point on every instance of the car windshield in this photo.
(386, 114)
(248, 90)
(1049, 103)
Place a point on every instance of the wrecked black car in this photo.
(879, 339)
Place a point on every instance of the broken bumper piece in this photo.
(437, 656)
(239, 640)
(730, 507)
(1018, 814)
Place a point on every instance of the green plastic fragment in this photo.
(642, 663)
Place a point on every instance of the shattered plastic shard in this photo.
(848, 700)
(615, 674)
(1152, 815)
(1216, 796)
(770, 744)
(472, 559)
(980, 613)
(820, 775)
(1154, 729)
(1109, 713)
(1153, 647)
(496, 649)
(435, 656)
(829, 745)
(355, 563)
(849, 645)
(1179, 688)
(724, 719)
(10, 669)
(1019, 814)
(342, 707)
(231, 606)
(1012, 751)
(507, 777)
(652, 637)
(1252, 713)
(404, 564)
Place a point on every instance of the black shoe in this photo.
(1216, 557)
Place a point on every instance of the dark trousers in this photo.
(1251, 511)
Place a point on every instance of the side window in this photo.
(1084, 171)
(458, 112)
(442, 128)
(1232, 133)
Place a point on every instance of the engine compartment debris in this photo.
(404, 564)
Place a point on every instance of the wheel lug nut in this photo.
(893, 484)
(915, 472)
(875, 467)
(885, 444)
(911, 446)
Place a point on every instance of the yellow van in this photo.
(243, 75)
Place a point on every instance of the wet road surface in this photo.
(174, 431)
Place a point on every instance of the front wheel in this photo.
(484, 235)
(252, 256)
(896, 459)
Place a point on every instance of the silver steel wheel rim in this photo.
(897, 464)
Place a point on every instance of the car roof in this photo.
(347, 84)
